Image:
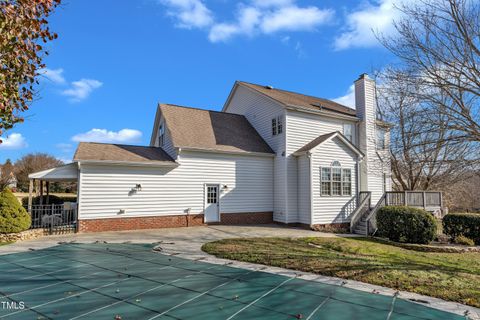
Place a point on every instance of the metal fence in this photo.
(55, 218)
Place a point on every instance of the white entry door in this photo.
(212, 205)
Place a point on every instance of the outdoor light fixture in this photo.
(225, 187)
(138, 187)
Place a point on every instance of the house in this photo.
(270, 155)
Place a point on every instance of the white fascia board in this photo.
(130, 163)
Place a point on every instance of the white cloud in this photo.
(293, 18)
(81, 89)
(272, 3)
(54, 75)
(256, 17)
(64, 159)
(13, 141)
(248, 20)
(65, 147)
(104, 135)
(189, 13)
(348, 99)
(361, 25)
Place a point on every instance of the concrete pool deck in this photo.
(187, 242)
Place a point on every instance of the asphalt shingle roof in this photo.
(212, 130)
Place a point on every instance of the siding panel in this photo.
(165, 191)
(301, 129)
(259, 110)
(330, 209)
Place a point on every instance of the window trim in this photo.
(350, 125)
(277, 125)
(161, 135)
(384, 139)
(274, 126)
(330, 181)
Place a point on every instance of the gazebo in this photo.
(51, 215)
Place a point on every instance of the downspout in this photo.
(188, 211)
(79, 185)
(309, 156)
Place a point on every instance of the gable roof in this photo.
(325, 137)
(293, 99)
(211, 130)
(120, 153)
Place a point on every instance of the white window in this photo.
(161, 135)
(347, 131)
(335, 180)
(326, 181)
(277, 125)
(381, 145)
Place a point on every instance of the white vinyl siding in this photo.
(167, 140)
(301, 129)
(304, 181)
(259, 111)
(337, 208)
(106, 189)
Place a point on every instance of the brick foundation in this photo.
(332, 227)
(246, 218)
(138, 223)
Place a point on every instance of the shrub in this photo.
(13, 217)
(462, 224)
(464, 240)
(406, 224)
(51, 200)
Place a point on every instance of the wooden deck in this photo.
(428, 200)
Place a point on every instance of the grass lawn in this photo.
(449, 276)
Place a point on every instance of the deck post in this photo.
(424, 200)
(48, 192)
(41, 192)
(30, 191)
(405, 201)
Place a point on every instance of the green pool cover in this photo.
(130, 281)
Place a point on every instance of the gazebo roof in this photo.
(68, 172)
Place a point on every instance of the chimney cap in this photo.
(364, 76)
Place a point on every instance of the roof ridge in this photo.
(116, 144)
(289, 91)
(199, 109)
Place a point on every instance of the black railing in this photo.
(54, 218)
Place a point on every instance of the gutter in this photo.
(130, 163)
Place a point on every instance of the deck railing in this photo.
(363, 206)
(55, 218)
(428, 200)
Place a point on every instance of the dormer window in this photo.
(381, 144)
(161, 135)
(277, 125)
(347, 131)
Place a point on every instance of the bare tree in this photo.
(438, 43)
(422, 154)
(6, 174)
(30, 163)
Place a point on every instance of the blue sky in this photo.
(115, 60)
